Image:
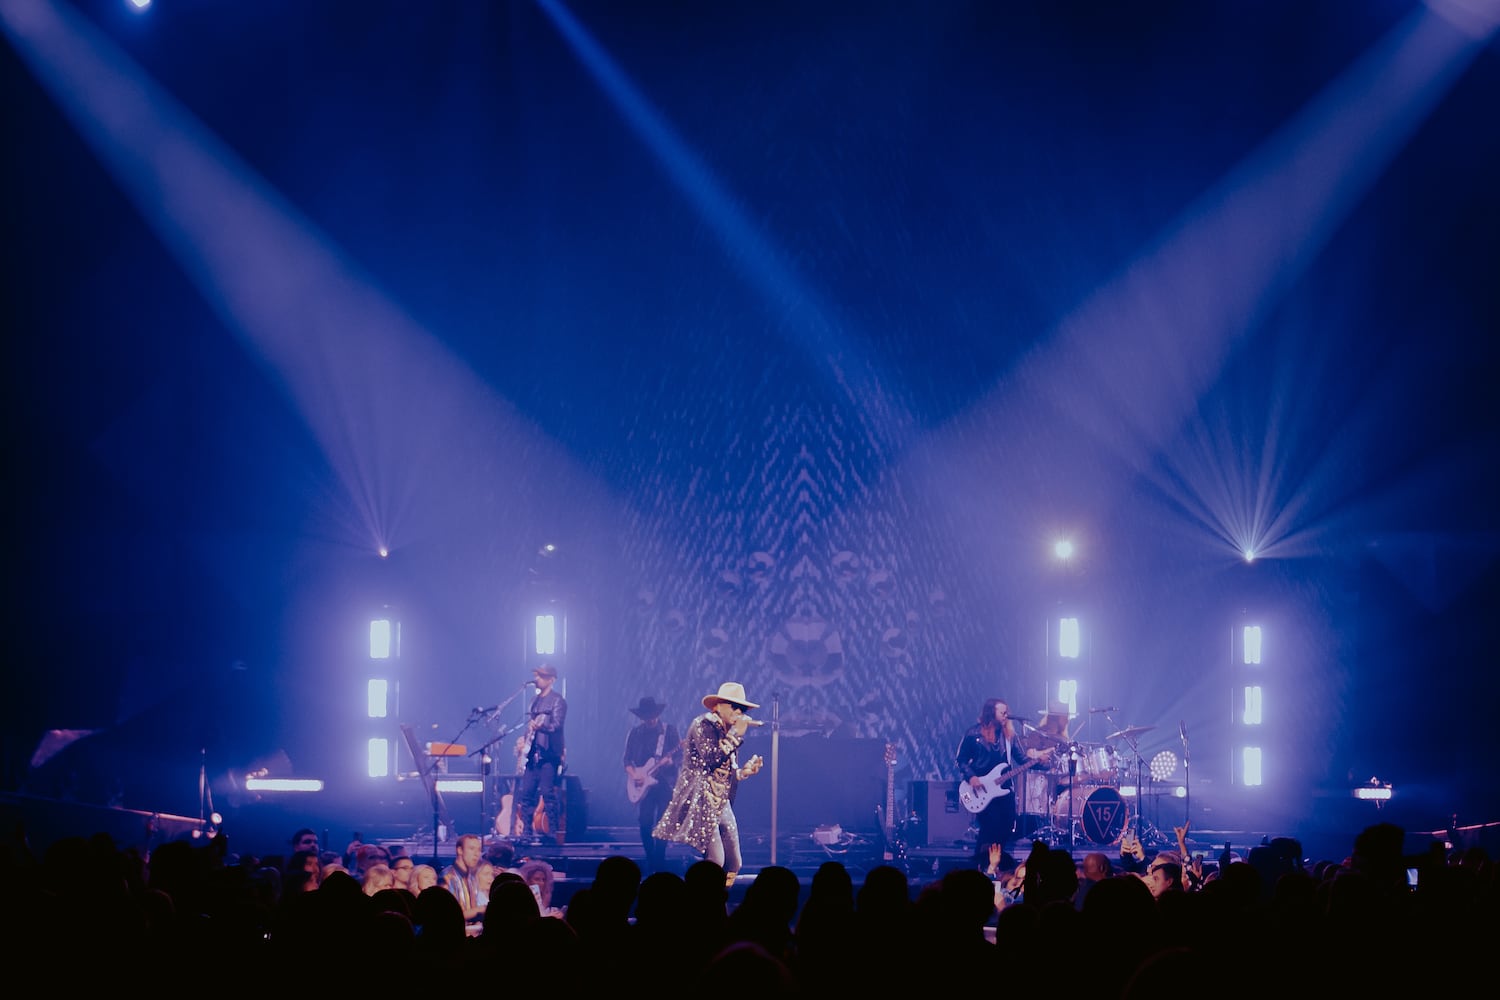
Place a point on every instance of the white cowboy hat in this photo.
(730, 692)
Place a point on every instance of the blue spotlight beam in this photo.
(396, 414)
(814, 328)
(1132, 362)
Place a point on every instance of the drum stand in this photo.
(1050, 834)
(1146, 831)
(1072, 774)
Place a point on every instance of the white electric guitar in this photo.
(639, 779)
(975, 799)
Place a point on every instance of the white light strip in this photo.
(283, 785)
(461, 785)
(1378, 794)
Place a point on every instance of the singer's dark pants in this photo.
(651, 806)
(539, 781)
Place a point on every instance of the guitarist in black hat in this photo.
(651, 754)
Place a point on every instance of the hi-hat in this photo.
(1129, 732)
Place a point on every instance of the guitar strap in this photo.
(661, 739)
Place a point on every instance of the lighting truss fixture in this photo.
(1250, 766)
(385, 639)
(1067, 638)
(546, 635)
(1251, 643)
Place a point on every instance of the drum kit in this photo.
(1079, 799)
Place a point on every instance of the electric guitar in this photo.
(523, 749)
(639, 779)
(975, 800)
(893, 848)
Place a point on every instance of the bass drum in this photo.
(1101, 810)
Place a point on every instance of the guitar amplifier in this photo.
(940, 820)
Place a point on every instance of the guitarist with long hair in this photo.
(652, 750)
(989, 748)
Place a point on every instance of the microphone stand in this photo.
(1072, 771)
(1187, 777)
(484, 773)
(484, 759)
(775, 764)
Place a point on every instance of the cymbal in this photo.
(1129, 732)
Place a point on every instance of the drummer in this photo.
(1051, 735)
(1051, 738)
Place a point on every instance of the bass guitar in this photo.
(895, 846)
(993, 785)
(639, 779)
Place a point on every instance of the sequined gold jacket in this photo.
(705, 785)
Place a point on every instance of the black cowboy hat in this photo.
(649, 708)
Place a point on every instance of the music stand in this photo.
(440, 818)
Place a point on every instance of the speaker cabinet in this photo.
(822, 781)
(940, 819)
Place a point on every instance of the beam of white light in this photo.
(1172, 318)
(812, 324)
(392, 409)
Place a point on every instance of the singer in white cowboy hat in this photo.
(701, 813)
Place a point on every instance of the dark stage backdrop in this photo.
(820, 781)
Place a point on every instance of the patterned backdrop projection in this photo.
(809, 570)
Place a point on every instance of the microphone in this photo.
(1096, 711)
(751, 722)
(487, 711)
(1182, 731)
